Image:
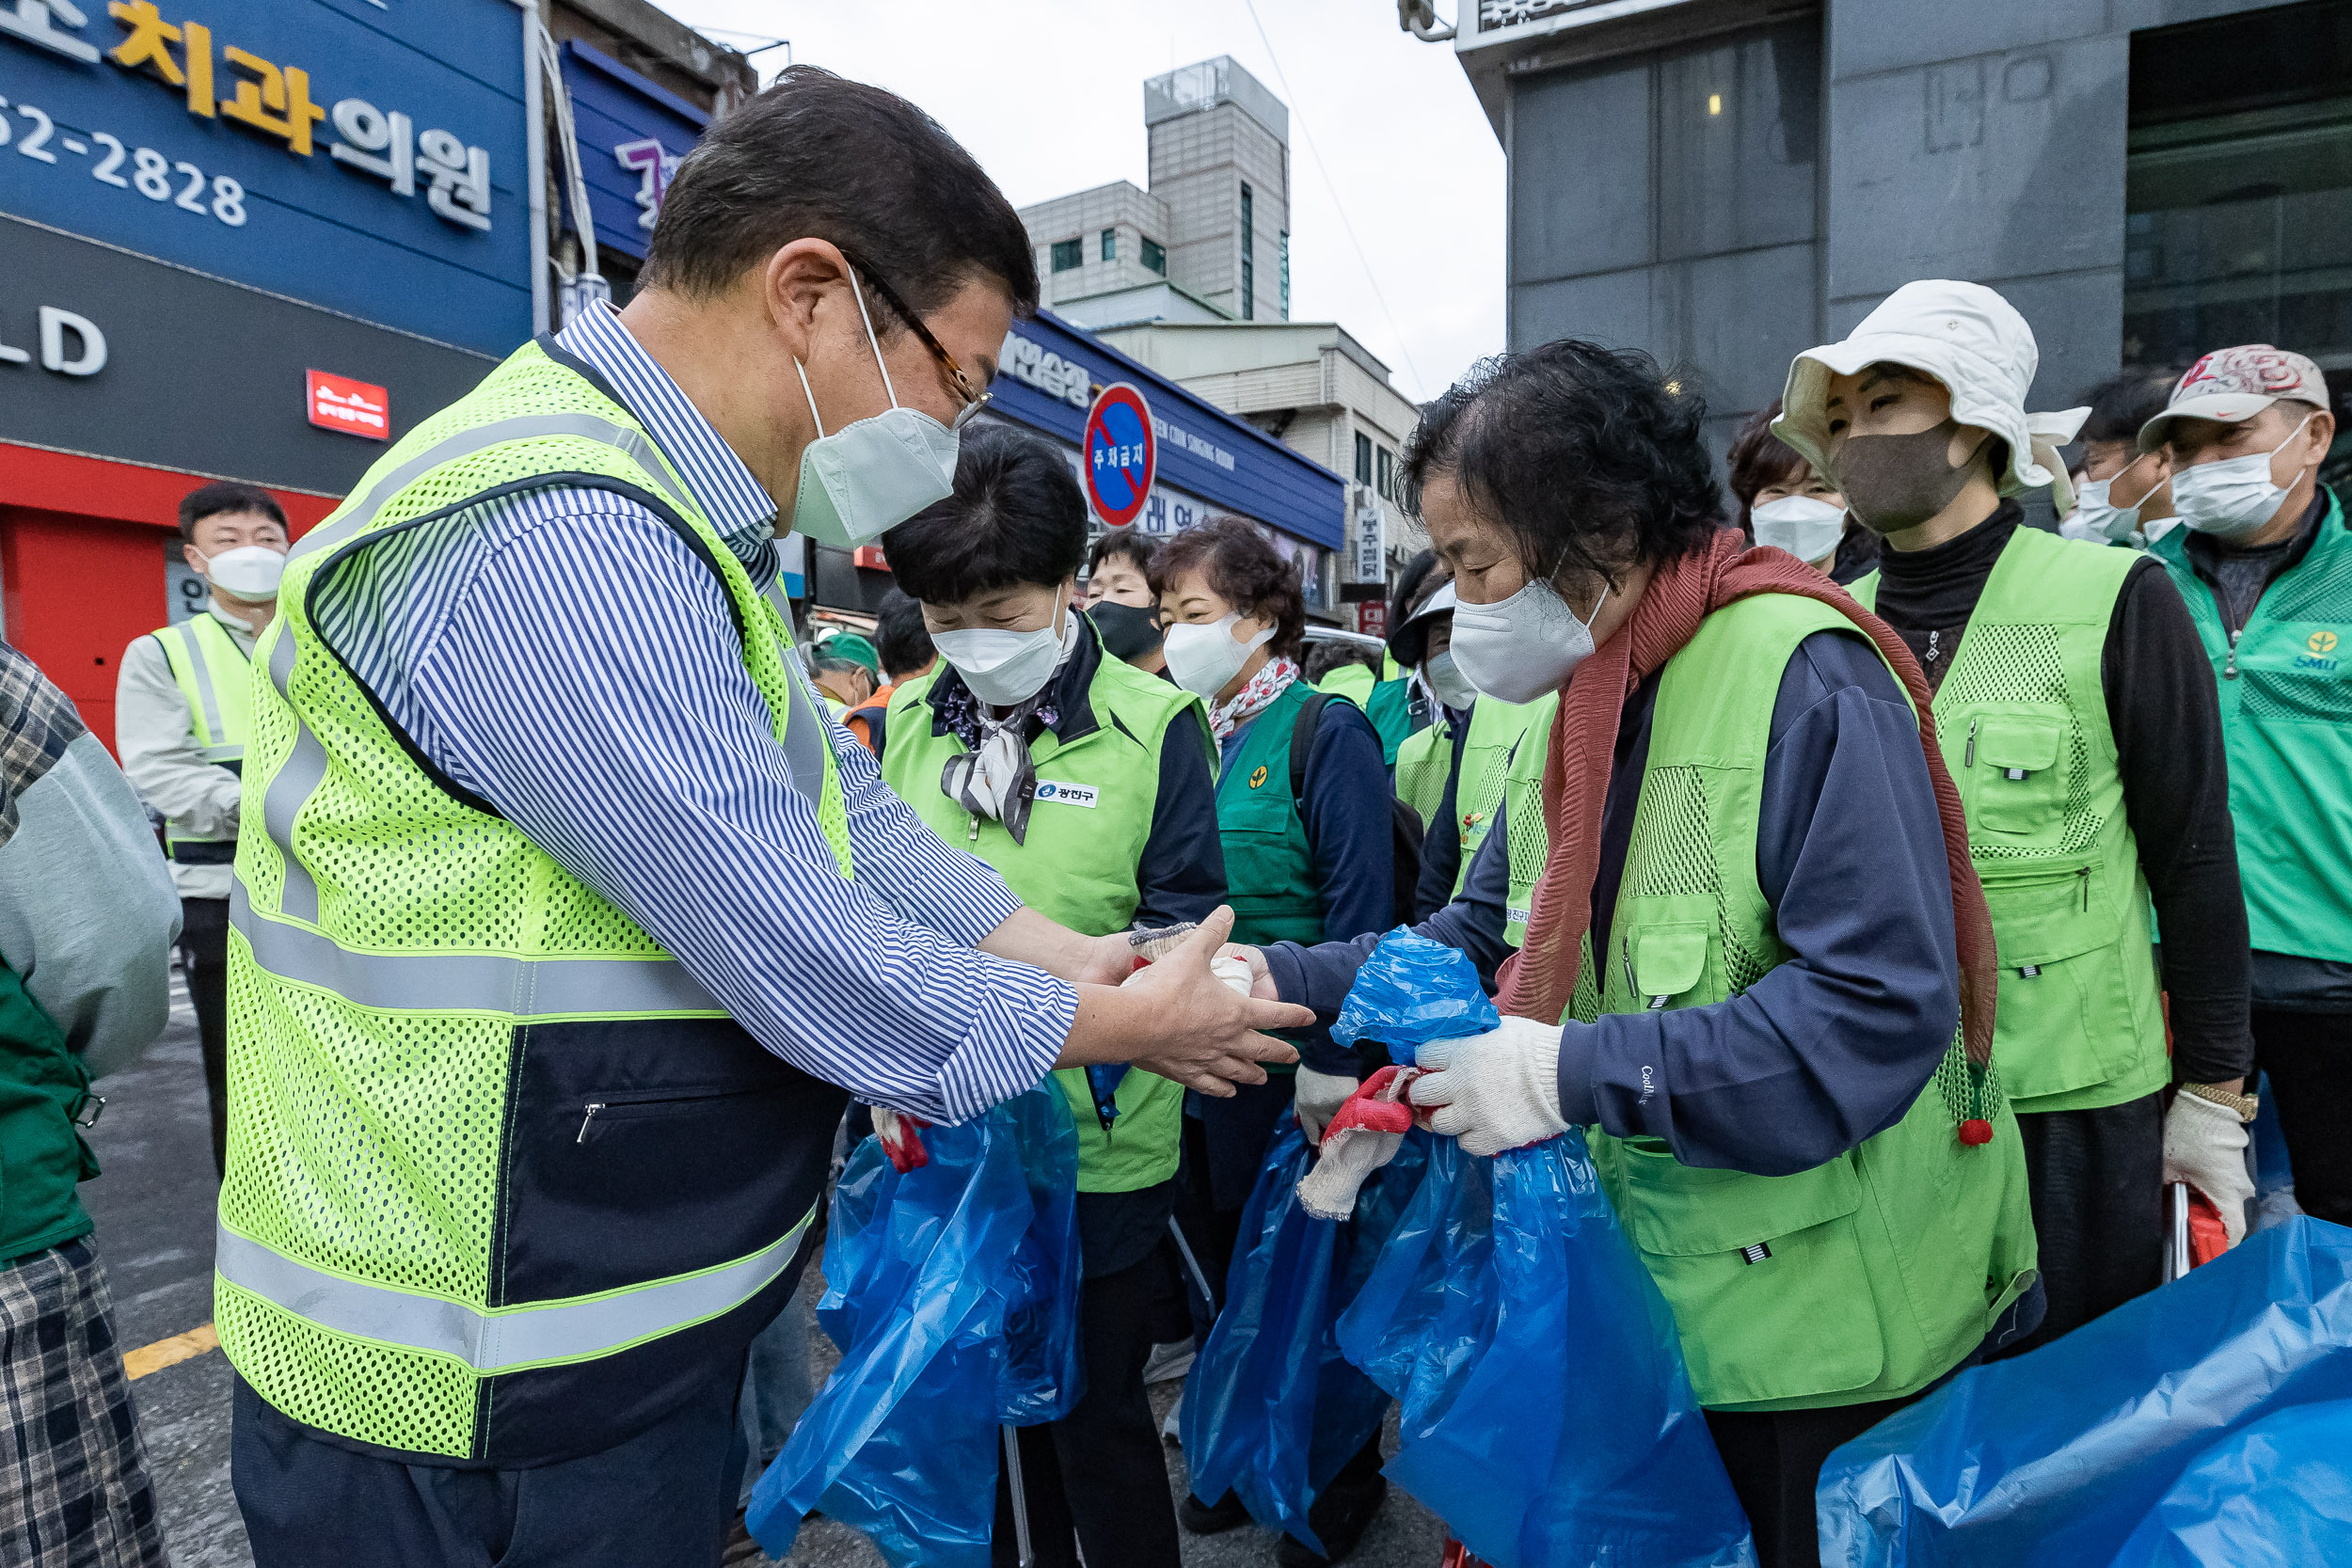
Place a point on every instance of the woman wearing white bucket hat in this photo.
(2077, 713)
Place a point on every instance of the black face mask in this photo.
(1128, 630)
(1893, 483)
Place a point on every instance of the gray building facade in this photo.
(1726, 182)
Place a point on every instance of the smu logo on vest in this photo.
(2319, 648)
(1056, 793)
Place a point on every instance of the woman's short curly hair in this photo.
(1590, 458)
(1244, 569)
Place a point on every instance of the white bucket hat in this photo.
(1972, 341)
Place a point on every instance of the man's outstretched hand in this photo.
(1178, 1018)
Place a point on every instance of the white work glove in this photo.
(1498, 1091)
(1318, 1098)
(2204, 1144)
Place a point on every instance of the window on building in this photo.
(1363, 458)
(1386, 481)
(1155, 257)
(1110, 245)
(1067, 254)
(1248, 258)
(1286, 274)
(2237, 190)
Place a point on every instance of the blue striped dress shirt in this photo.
(562, 654)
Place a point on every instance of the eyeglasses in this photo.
(975, 398)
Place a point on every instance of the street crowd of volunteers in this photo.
(1899, 893)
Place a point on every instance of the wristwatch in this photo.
(2244, 1105)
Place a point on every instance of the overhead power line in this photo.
(1307, 135)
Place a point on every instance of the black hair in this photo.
(1016, 516)
(211, 500)
(1136, 548)
(1323, 658)
(1759, 459)
(818, 156)
(1244, 570)
(900, 637)
(2124, 401)
(1589, 457)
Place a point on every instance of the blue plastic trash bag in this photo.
(952, 1291)
(1549, 1419)
(2132, 1440)
(1272, 1409)
(1412, 991)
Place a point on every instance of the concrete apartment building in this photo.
(1192, 278)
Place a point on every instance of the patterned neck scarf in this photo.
(994, 776)
(1273, 678)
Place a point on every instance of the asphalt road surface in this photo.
(153, 1208)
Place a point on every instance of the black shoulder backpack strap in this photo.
(1303, 742)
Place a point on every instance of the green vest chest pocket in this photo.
(1662, 947)
(2016, 778)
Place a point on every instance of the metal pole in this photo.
(2177, 1254)
(1020, 1499)
(1199, 1277)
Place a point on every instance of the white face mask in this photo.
(1446, 681)
(2159, 528)
(248, 574)
(865, 479)
(2235, 497)
(1204, 656)
(1006, 669)
(2097, 517)
(1806, 527)
(1519, 648)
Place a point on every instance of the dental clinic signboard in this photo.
(632, 133)
(369, 156)
(1195, 462)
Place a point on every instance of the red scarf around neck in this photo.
(1539, 981)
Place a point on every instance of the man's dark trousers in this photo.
(204, 960)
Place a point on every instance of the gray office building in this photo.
(1725, 183)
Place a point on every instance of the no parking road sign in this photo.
(1122, 455)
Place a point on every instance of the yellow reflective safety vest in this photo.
(505, 1182)
(213, 674)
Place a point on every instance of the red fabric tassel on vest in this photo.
(1539, 980)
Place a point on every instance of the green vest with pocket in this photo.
(1873, 1273)
(2022, 719)
(215, 678)
(505, 1181)
(1512, 777)
(1270, 873)
(1089, 823)
(2285, 684)
(1424, 763)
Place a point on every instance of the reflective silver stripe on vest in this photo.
(523, 427)
(213, 752)
(505, 1339)
(467, 982)
(304, 770)
(805, 741)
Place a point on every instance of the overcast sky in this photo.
(1048, 94)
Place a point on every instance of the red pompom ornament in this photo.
(1976, 1130)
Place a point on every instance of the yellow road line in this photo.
(171, 1352)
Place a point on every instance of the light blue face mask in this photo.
(865, 479)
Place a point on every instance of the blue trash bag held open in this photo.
(2135, 1439)
(1272, 1409)
(1548, 1419)
(1410, 991)
(952, 1291)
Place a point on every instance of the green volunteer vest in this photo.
(44, 1086)
(2022, 719)
(1866, 1277)
(1424, 763)
(1269, 866)
(1387, 700)
(2285, 684)
(503, 1179)
(1089, 823)
(1523, 798)
(215, 678)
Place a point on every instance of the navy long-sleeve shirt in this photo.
(1828, 1048)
